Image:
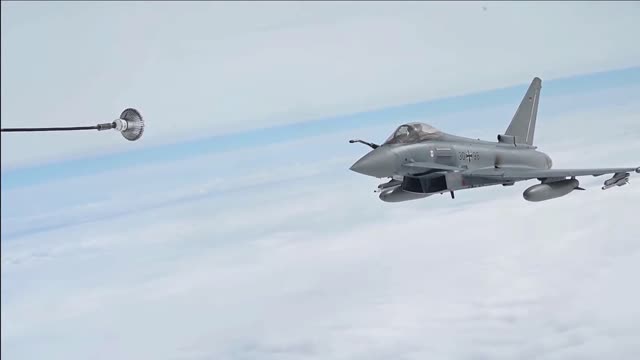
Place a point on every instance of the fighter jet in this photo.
(420, 161)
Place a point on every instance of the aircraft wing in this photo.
(517, 174)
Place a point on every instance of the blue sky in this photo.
(236, 231)
(248, 66)
(390, 117)
(286, 148)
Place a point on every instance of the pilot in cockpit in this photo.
(412, 132)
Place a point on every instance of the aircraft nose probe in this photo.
(130, 124)
(371, 145)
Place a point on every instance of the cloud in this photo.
(221, 68)
(429, 279)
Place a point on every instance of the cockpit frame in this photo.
(413, 133)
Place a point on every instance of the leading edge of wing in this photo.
(529, 173)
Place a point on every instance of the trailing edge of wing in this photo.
(524, 173)
(426, 166)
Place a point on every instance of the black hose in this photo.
(50, 129)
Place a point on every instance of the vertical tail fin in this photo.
(523, 124)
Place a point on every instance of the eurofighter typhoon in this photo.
(421, 161)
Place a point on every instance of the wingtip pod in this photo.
(638, 170)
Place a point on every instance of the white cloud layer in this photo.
(203, 68)
(495, 279)
(317, 267)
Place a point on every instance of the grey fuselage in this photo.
(471, 153)
(388, 160)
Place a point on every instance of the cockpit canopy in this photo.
(413, 133)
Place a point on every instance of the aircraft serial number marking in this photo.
(469, 156)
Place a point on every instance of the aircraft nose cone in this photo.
(379, 163)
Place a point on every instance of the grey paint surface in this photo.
(424, 160)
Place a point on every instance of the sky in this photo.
(233, 229)
(200, 69)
